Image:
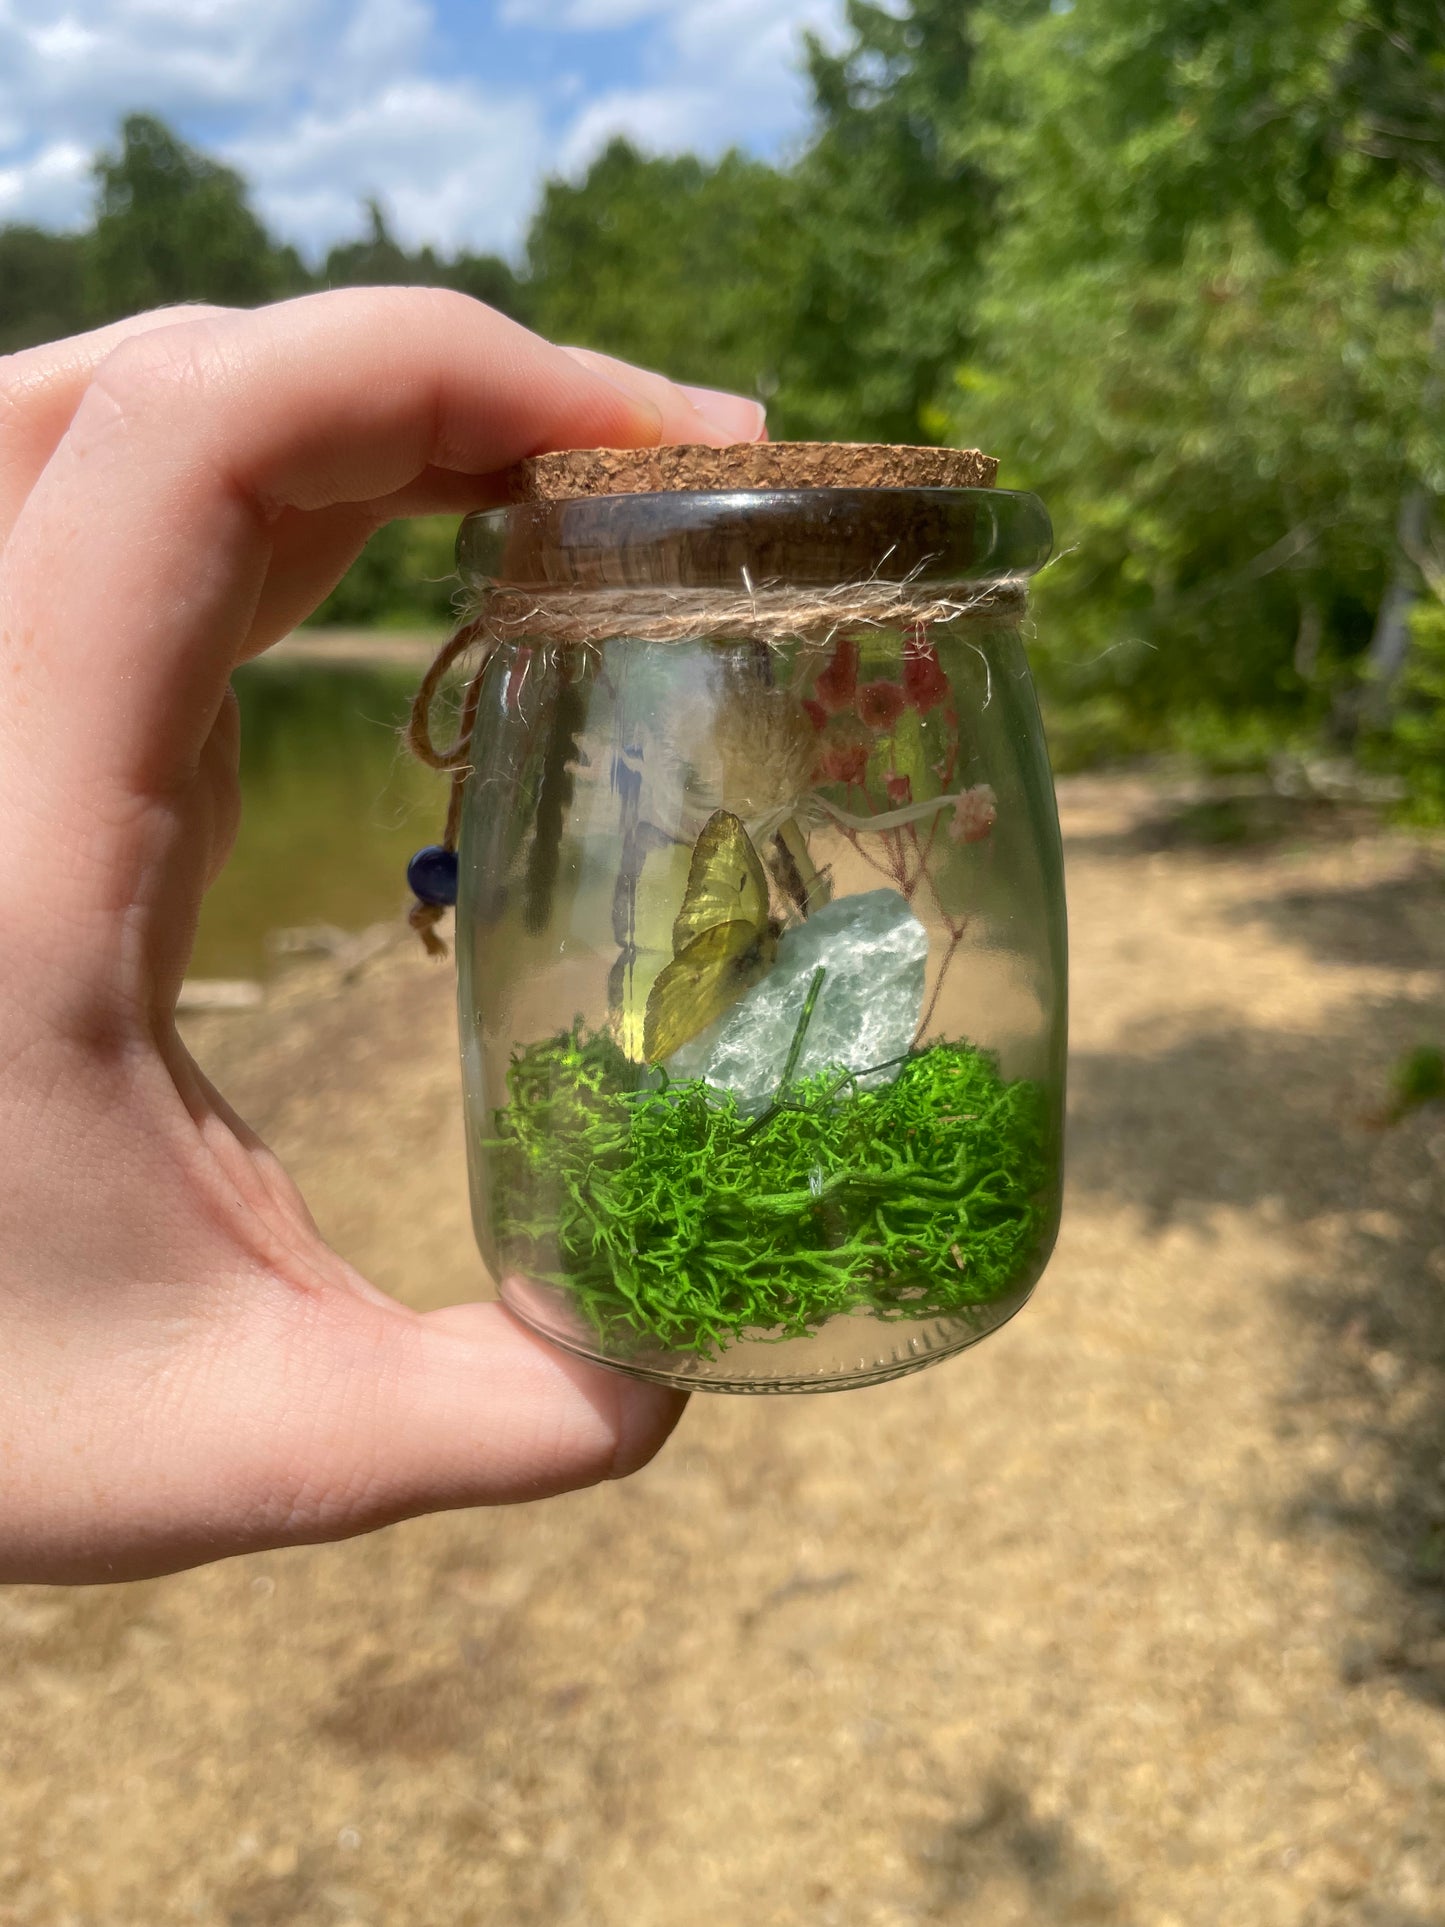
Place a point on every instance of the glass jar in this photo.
(760, 923)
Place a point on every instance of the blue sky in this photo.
(450, 111)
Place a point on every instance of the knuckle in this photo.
(24, 379)
(162, 357)
(445, 303)
(28, 369)
(176, 313)
(445, 312)
(147, 374)
(13, 368)
(12, 393)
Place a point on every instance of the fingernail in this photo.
(734, 417)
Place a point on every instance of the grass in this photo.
(676, 1220)
(1417, 1078)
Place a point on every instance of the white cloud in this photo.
(66, 40)
(382, 38)
(308, 85)
(755, 37)
(720, 72)
(661, 120)
(452, 165)
(595, 16)
(67, 77)
(581, 13)
(46, 190)
(89, 63)
(321, 103)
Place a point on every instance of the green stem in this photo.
(795, 1049)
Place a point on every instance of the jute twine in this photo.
(586, 618)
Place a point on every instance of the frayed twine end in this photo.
(424, 918)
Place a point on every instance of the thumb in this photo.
(407, 1413)
(312, 1413)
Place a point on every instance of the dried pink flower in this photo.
(924, 683)
(974, 814)
(835, 688)
(880, 704)
(844, 763)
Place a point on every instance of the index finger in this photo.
(133, 568)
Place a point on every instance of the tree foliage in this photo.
(1206, 336)
(174, 225)
(676, 263)
(378, 259)
(42, 286)
(894, 212)
(1181, 264)
(1416, 744)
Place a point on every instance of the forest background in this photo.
(1181, 264)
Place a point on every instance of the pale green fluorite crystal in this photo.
(873, 950)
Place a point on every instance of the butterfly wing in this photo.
(706, 979)
(725, 884)
(652, 876)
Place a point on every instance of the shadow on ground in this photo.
(1177, 1132)
(1003, 1846)
(1397, 921)
(1136, 1618)
(1231, 822)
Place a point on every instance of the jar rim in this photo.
(754, 538)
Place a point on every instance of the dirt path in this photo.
(357, 648)
(1136, 1615)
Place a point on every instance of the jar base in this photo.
(915, 1349)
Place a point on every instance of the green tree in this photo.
(892, 209)
(841, 289)
(404, 578)
(681, 265)
(487, 277)
(1416, 745)
(42, 286)
(1206, 336)
(174, 225)
(1393, 77)
(379, 260)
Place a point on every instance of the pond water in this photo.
(332, 807)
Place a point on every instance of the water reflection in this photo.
(332, 809)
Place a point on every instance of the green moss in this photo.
(676, 1220)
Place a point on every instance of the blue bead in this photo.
(432, 875)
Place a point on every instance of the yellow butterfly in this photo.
(723, 942)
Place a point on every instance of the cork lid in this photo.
(575, 473)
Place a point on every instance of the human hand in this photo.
(187, 1370)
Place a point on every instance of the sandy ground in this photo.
(357, 648)
(1134, 1615)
